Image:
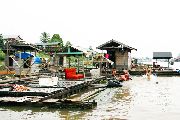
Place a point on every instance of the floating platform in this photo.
(54, 104)
(108, 73)
(51, 96)
(158, 73)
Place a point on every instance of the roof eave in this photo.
(101, 46)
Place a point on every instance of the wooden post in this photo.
(83, 70)
(30, 65)
(168, 63)
(7, 55)
(64, 61)
(78, 64)
(100, 66)
(57, 63)
(20, 65)
(69, 62)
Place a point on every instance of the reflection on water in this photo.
(138, 99)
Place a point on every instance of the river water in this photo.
(138, 99)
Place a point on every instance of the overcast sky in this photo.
(148, 25)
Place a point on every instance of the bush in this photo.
(2, 55)
(43, 55)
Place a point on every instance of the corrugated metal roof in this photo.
(25, 47)
(80, 49)
(17, 37)
(162, 55)
(44, 44)
(114, 44)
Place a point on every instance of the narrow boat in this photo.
(114, 83)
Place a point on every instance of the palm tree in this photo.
(45, 37)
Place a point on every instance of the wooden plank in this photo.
(92, 94)
(60, 104)
(6, 72)
(21, 94)
(23, 99)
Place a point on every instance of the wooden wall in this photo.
(121, 59)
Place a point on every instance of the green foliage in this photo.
(74, 60)
(57, 38)
(2, 55)
(68, 43)
(103, 82)
(1, 41)
(43, 55)
(2, 65)
(45, 37)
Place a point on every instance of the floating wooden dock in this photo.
(158, 73)
(52, 96)
(108, 73)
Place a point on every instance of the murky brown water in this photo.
(138, 99)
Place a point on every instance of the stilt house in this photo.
(119, 53)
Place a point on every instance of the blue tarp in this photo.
(24, 55)
(37, 60)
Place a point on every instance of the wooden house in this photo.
(119, 53)
(17, 57)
